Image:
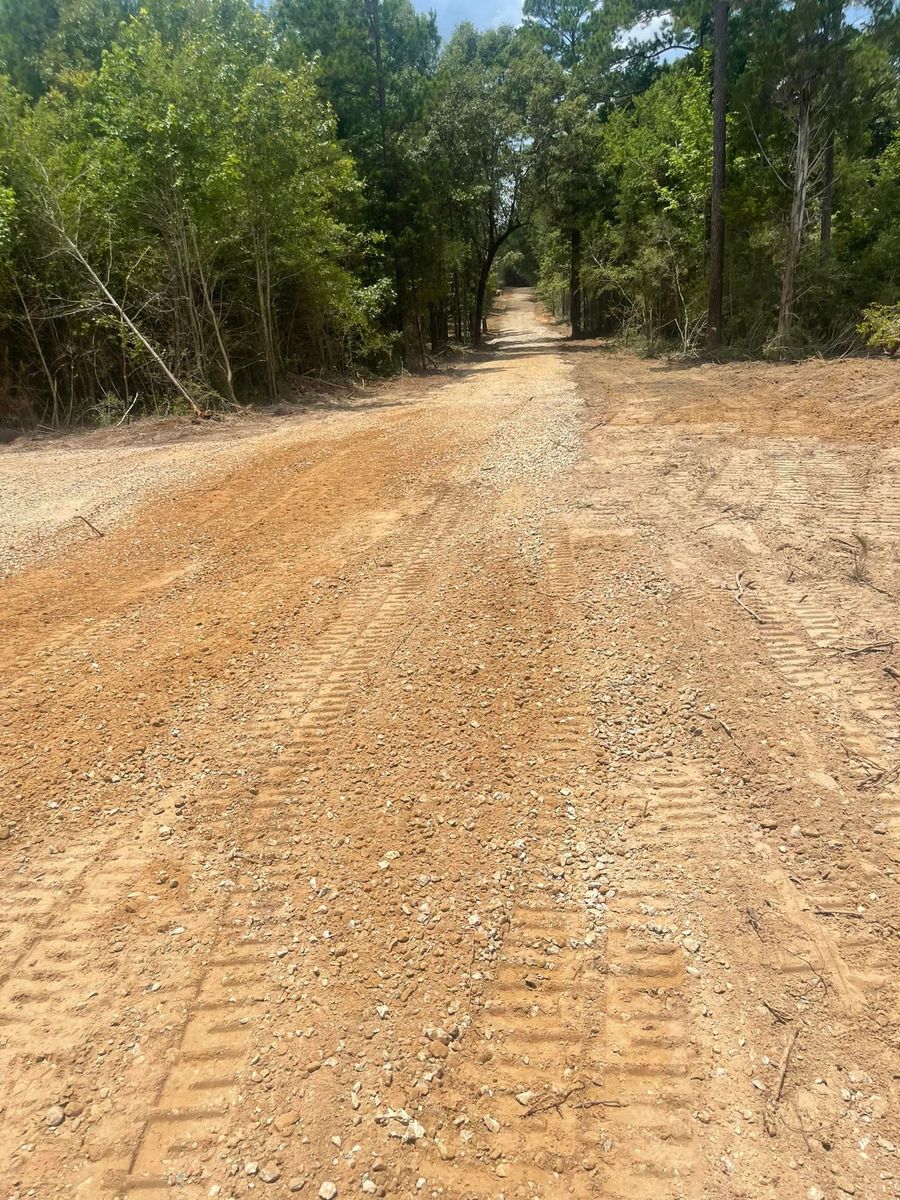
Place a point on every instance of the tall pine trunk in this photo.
(575, 314)
(798, 213)
(717, 191)
(827, 201)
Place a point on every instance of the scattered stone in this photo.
(250, 1168)
(270, 1174)
(328, 1190)
(492, 1124)
(297, 1184)
(54, 1116)
(286, 1119)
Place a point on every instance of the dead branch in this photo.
(782, 1018)
(79, 517)
(738, 595)
(772, 1106)
(552, 1099)
(837, 912)
(869, 648)
(726, 730)
(879, 778)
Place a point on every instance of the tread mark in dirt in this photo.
(216, 1037)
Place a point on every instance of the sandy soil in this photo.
(489, 795)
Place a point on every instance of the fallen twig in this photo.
(837, 912)
(781, 1017)
(551, 1099)
(772, 1106)
(739, 592)
(893, 672)
(870, 648)
(879, 778)
(725, 729)
(79, 517)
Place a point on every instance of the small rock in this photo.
(297, 1184)
(691, 945)
(369, 1186)
(74, 1109)
(54, 1116)
(437, 1049)
(270, 1174)
(328, 1190)
(250, 1168)
(286, 1119)
(492, 1124)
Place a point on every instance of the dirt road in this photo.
(494, 797)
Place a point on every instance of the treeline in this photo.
(793, 243)
(202, 201)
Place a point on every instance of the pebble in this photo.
(270, 1174)
(286, 1119)
(328, 1190)
(54, 1116)
(297, 1184)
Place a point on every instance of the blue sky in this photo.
(482, 13)
(485, 13)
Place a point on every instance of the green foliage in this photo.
(200, 199)
(204, 183)
(880, 327)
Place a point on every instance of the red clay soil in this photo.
(495, 795)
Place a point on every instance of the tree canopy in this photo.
(203, 200)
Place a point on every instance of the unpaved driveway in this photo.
(496, 799)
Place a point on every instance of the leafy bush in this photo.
(880, 327)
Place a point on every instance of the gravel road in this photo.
(489, 793)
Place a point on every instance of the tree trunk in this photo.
(483, 277)
(717, 192)
(478, 320)
(575, 283)
(123, 316)
(373, 9)
(827, 202)
(798, 214)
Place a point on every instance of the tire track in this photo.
(210, 1071)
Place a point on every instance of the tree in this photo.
(478, 124)
(717, 189)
